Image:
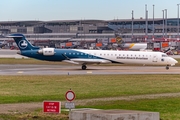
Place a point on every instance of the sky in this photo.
(46, 10)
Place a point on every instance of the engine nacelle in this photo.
(46, 51)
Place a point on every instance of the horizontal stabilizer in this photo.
(14, 36)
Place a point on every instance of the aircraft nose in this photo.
(173, 61)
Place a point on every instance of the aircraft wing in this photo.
(86, 61)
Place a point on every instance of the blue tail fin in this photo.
(22, 43)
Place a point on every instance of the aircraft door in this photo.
(154, 58)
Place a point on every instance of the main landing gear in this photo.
(84, 67)
(167, 67)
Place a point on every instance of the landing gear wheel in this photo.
(84, 67)
(167, 67)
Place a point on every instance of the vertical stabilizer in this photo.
(22, 42)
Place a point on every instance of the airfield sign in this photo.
(70, 95)
(51, 106)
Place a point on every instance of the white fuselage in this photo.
(131, 57)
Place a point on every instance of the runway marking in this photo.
(89, 72)
(20, 72)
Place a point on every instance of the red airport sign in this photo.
(52, 107)
(70, 95)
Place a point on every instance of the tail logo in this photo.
(23, 44)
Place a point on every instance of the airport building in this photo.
(94, 31)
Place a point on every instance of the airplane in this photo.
(131, 46)
(85, 57)
(2, 44)
(134, 46)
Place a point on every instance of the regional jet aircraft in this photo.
(84, 57)
(134, 46)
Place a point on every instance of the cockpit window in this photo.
(164, 55)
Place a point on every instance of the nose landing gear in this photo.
(167, 67)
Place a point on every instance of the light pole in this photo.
(153, 22)
(146, 21)
(132, 24)
(178, 22)
(169, 24)
(163, 23)
(166, 23)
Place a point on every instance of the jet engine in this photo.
(46, 51)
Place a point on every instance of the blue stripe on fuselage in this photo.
(60, 55)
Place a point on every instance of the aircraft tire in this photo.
(167, 67)
(84, 67)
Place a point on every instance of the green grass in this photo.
(17, 89)
(38, 88)
(36, 115)
(168, 109)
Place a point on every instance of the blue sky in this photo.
(12, 10)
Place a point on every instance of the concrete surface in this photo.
(93, 114)
(24, 69)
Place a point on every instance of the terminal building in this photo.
(58, 33)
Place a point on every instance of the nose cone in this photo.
(173, 61)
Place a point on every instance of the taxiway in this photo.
(19, 69)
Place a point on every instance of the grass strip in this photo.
(14, 89)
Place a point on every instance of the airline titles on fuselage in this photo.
(139, 58)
